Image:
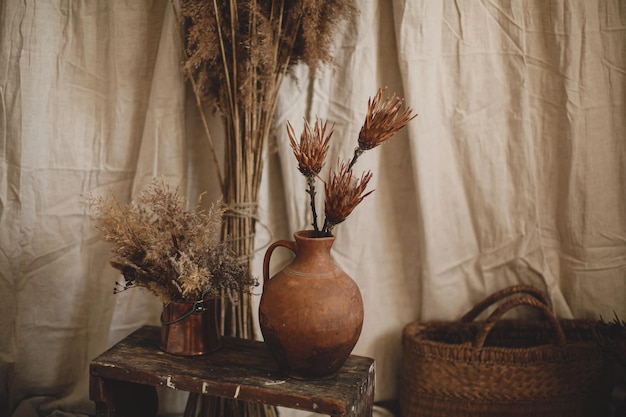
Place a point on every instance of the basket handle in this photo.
(512, 302)
(499, 295)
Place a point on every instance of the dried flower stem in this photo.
(357, 153)
(311, 191)
(310, 153)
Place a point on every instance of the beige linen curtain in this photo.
(512, 172)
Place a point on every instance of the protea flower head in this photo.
(343, 193)
(311, 151)
(383, 120)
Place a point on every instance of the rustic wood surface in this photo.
(242, 369)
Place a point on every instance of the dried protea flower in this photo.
(382, 121)
(311, 151)
(343, 193)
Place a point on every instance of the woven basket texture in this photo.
(504, 367)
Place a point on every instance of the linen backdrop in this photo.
(513, 171)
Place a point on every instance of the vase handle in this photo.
(289, 244)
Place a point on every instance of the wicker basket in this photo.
(504, 367)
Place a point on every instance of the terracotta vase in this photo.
(311, 312)
(190, 328)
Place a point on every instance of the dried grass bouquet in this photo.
(159, 245)
(343, 191)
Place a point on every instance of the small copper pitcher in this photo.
(190, 328)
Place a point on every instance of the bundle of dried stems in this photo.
(236, 54)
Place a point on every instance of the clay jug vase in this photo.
(190, 328)
(311, 312)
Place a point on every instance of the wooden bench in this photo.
(123, 379)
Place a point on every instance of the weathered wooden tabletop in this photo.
(241, 369)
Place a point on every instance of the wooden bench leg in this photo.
(365, 407)
(122, 399)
